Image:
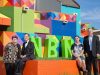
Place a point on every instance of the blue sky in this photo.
(90, 12)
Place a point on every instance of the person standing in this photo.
(11, 54)
(27, 54)
(92, 51)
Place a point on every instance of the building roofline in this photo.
(76, 3)
(78, 6)
(96, 30)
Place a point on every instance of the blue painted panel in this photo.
(59, 28)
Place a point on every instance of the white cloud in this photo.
(91, 14)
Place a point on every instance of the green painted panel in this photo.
(38, 46)
(50, 50)
(66, 43)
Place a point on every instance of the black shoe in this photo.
(85, 72)
(18, 74)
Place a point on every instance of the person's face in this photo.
(26, 37)
(15, 40)
(77, 39)
(90, 31)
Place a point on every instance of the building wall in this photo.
(70, 10)
(22, 22)
(48, 5)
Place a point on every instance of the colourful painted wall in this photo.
(50, 31)
(46, 46)
(45, 25)
(18, 3)
(39, 23)
(22, 22)
(71, 10)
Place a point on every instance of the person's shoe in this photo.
(18, 74)
(85, 72)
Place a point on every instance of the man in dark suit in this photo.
(27, 53)
(28, 48)
(92, 51)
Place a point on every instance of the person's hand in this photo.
(76, 55)
(98, 55)
(23, 56)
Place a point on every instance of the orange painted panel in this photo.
(6, 21)
(2, 68)
(51, 67)
(48, 67)
(0, 20)
(31, 68)
(84, 33)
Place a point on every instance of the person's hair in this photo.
(90, 28)
(14, 36)
(27, 34)
(77, 36)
